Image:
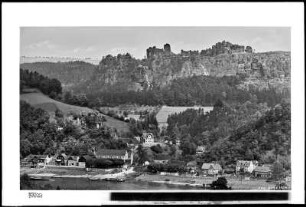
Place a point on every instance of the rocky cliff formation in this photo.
(162, 66)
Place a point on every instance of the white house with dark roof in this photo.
(200, 150)
(73, 161)
(211, 168)
(246, 166)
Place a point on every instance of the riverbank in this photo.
(178, 180)
(235, 183)
(76, 173)
(153, 179)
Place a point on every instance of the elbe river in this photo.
(131, 184)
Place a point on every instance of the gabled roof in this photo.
(75, 158)
(245, 163)
(110, 152)
(262, 169)
(207, 166)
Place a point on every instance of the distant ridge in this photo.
(26, 59)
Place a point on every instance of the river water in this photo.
(86, 184)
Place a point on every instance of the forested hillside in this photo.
(266, 140)
(196, 90)
(39, 136)
(68, 73)
(51, 87)
(248, 131)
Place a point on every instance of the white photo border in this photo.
(16, 15)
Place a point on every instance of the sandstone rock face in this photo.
(223, 59)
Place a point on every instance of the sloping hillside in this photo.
(39, 100)
(266, 140)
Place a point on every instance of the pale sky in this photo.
(95, 42)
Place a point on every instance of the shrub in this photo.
(220, 183)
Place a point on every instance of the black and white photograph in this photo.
(158, 108)
(185, 115)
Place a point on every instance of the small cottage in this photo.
(211, 168)
(37, 160)
(73, 161)
(192, 166)
(246, 166)
(148, 139)
(61, 159)
(83, 160)
(200, 150)
(262, 171)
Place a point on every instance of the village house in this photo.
(112, 154)
(148, 139)
(200, 150)
(262, 172)
(53, 160)
(192, 166)
(36, 160)
(73, 161)
(246, 166)
(61, 159)
(211, 168)
(83, 160)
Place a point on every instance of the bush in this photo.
(102, 163)
(25, 182)
(157, 149)
(220, 184)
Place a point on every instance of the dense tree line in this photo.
(75, 99)
(104, 163)
(194, 127)
(170, 167)
(266, 140)
(68, 73)
(149, 124)
(197, 90)
(248, 131)
(50, 87)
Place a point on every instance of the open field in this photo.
(39, 100)
(42, 101)
(166, 111)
